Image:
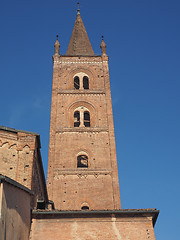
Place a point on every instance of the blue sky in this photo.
(143, 42)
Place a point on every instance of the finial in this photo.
(78, 10)
(57, 45)
(103, 46)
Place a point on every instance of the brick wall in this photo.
(93, 228)
(97, 142)
(20, 160)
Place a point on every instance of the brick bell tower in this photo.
(82, 167)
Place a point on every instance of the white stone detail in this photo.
(81, 62)
(115, 229)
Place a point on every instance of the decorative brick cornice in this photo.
(84, 92)
(79, 62)
(81, 129)
(83, 172)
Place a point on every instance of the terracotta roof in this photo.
(79, 44)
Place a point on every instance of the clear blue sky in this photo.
(143, 42)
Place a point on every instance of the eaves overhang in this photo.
(123, 213)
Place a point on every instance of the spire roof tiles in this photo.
(79, 44)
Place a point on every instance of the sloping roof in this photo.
(4, 178)
(17, 130)
(79, 44)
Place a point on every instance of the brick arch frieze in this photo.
(8, 145)
(25, 147)
(5, 144)
(13, 146)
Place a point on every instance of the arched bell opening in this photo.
(76, 82)
(76, 119)
(85, 82)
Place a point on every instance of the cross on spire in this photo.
(78, 10)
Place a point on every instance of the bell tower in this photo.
(82, 167)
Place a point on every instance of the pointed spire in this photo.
(103, 46)
(57, 45)
(79, 43)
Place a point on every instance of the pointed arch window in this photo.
(82, 161)
(85, 82)
(76, 119)
(86, 119)
(76, 82)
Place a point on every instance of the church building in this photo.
(81, 199)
